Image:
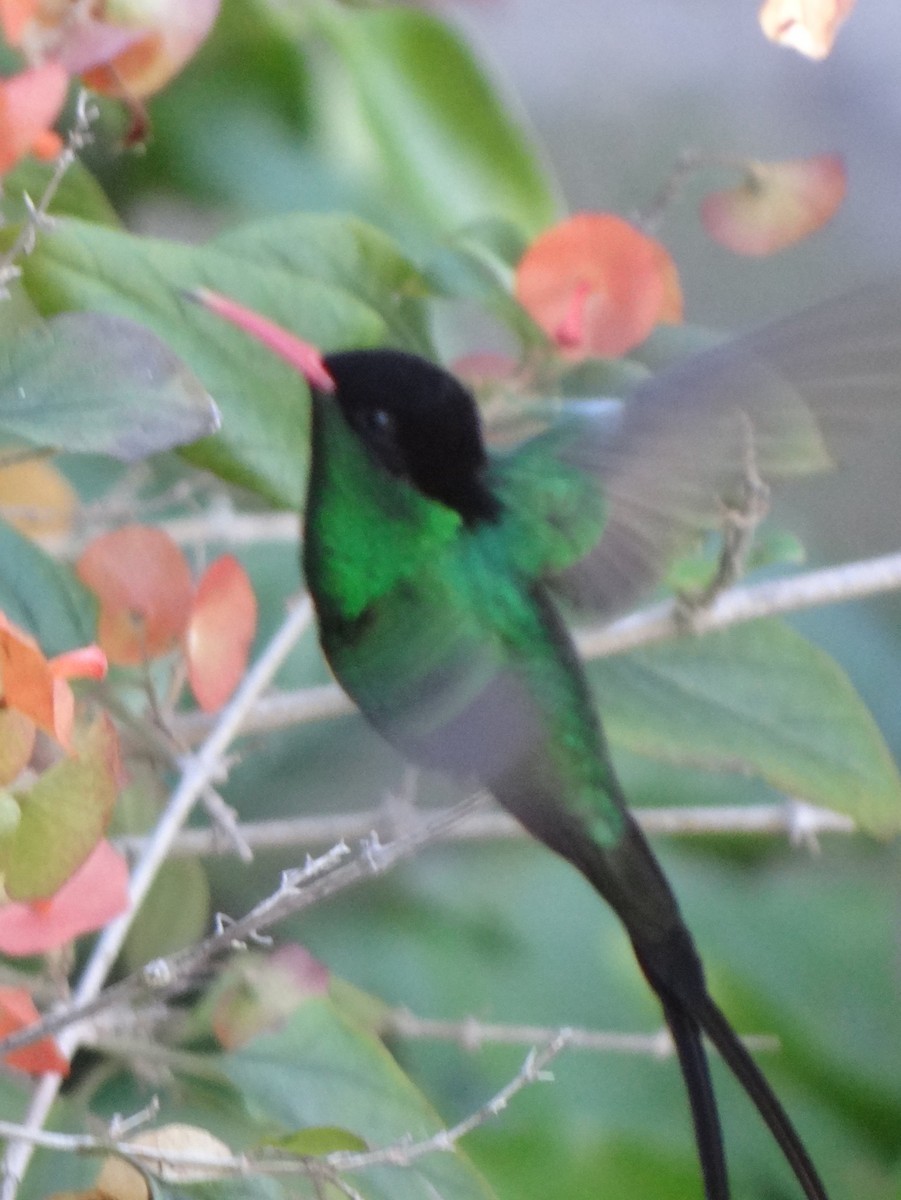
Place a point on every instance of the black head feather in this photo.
(419, 422)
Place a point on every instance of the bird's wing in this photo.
(790, 399)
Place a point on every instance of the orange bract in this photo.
(597, 285)
(776, 205)
(29, 104)
(222, 625)
(36, 686)
(143, 583)
(17, 1011)
(97, 892)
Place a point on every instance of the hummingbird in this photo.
(442, 572)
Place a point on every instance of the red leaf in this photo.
(597, 285)
(776, 205)
(808, 26)
(17, 1011)
(220, 632)
(97, 892)
(144, 586)
(29, 104)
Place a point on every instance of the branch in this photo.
(197, 774)
(829, 585)
(471, 1034)
(798, 821)
(37, 218)
(299, 889)
(660, 623)
(403, 1153)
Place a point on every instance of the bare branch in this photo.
(472, 1034)
(299, 889)
(403, 1153)
(850, 581)
(792, 818)
(37, 217)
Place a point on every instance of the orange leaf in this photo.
(97, 892)
(29, 104)
(144, 586)
(597, 285)
(808, 26)
(223, 622)
(777, 204)
(17, 1011)
(36, 498)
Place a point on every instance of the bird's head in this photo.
(413, 418)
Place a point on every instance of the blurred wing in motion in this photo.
(790, 399)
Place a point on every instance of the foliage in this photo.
(375, 188)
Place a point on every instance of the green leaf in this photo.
(446, 141)
(333, 280)
(250, 1187)
(318, 1140)
(78, 195)
(43, 596)
(64, 815)
(320, 1069)
(756, 699)
(98, 384)
(477, 263)
(175, 914)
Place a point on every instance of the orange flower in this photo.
(29, 104)
(128, 48)
(37, 687)
(597, 285)
(808, 26)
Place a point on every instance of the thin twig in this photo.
(37, 217)
(472, 1034)
(404, 1153)
(401, 1153)
(317, 880)
(793, 818)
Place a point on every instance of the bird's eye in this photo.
(381, 421)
